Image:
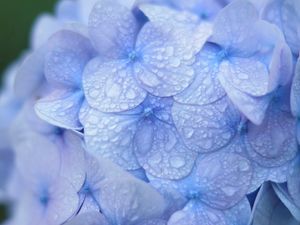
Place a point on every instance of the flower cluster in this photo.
(155, 112)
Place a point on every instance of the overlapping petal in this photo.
(195, 213)
(111, 86)
(206, 128)
(206, 87)
(273, 143)
(67, 54)
(161, 152)
(111, 135)
(113, 29)
(168, 46)
(61, 108)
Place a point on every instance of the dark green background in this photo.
(16, 18)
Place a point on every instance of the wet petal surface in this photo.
(206, 128)
(111, 86)
(61, 108)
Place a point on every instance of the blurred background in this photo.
(16, 18)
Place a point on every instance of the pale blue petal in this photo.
(72, 159)
(67, 54)
(281, 66)
(164, 14)
(166, 66)
(285, 14)
(273, 143)
(206, 87)
(293, 183)
(37, 161)
(154, 222)
(235, 31)
(219, 180)
(67, 10)
(223, 179)
(284, 196)
(268, 209)
(239, 214)
(206, 128)
(85, 8)
(295, 91)
(64, 202)
(61, 108)
(290, 15)
(111, 136)
(261, 174)
(253, 108)
(174, 199)
(195, 213)
(124, 199)
(204, 9)
(248, 75)
(88, 218)
(161, 152)
(44, 26)
(113, 29)
(30, 74)
(111, 86)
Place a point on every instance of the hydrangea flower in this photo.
(154, 112)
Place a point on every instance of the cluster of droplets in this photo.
(155, 112)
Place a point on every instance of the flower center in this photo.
(133, 56)
(223, 54)
(148, 112)
(44, 198)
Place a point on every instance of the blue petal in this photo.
(118, 189)
(268, 209)
(206, 87)
(68, 53)
(38, 161)
(161, 152)
(284, 196)
(44, 26)
(285, 14)
(293, 183)
(154, 222)
(88, 218)
(236, 31)
(248, 75)
(111, 86)
(262, 174)
(220, 180)
(72, 159)
(253, 108)
(170, 189)
(166, 68)
(113, 29)
(205, 9)
(85, 8)
(61, 108)
(295, 91)
(111, 136)
(195, 213)
(67, 10)
(64, 202)
(223, 179)
(206, 128)
(273, 143)
(30, 74)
